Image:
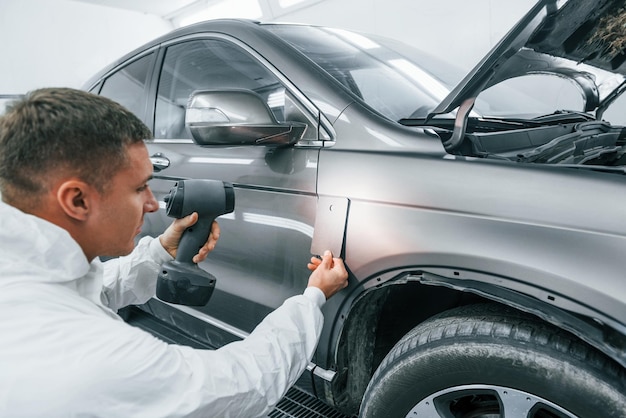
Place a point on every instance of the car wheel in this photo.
(487, 361)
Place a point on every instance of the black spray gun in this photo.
(181, 281)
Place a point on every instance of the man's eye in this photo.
(143, 188)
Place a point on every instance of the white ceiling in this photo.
(162, 8)
(178, 11)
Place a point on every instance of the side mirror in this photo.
(237, 117)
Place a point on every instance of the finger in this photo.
(184, 223)
(214, 236)
(190, 219)
(203, 252)
(209, 245)
(200, 257)
(314, 263)
(327, 260)
(207, 248)
(340, 268)
(331, 261)
(338, 264)
(215, 231)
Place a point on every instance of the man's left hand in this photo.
(171, 237)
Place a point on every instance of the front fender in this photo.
(580, 271)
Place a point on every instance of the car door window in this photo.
(127, 85)
(211, 64)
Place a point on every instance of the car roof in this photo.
(226, 26)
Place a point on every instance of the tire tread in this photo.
(498, 322)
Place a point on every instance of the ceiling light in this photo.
(288, 3)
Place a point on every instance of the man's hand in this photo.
(171, 237)
(329, 274)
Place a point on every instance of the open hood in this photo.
(583, 40)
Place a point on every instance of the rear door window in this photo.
(128, 85)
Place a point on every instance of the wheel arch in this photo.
(377, 319)
(397, 301)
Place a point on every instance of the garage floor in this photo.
(298, 404)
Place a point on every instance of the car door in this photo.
(264, 246)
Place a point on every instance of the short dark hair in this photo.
(67, 131)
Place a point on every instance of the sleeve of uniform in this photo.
(252, 375)
(242, 379)
(132, 279)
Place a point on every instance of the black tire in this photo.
(481, 360)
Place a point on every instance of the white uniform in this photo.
(64, 352)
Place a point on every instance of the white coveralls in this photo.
(64, 352)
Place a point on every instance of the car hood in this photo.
(583, 40)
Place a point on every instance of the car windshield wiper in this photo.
(486, 123)
(577, 146)
(473, 124)
(564, 116)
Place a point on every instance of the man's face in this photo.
(122, 206)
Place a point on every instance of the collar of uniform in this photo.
(49, 252)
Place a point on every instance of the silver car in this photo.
(481, 217)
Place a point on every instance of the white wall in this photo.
(46, 43)
(63, 42)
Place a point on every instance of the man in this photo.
(74, 175)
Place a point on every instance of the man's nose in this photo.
(151, 204)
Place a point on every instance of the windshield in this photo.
(402, 82)
(398, 84)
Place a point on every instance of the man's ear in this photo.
(75, 197)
